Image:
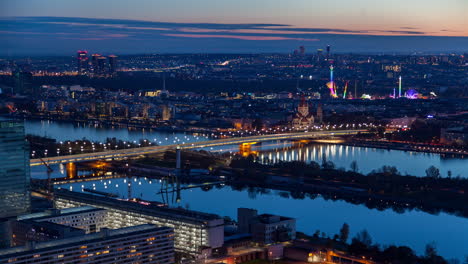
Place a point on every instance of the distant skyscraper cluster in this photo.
(99, 65)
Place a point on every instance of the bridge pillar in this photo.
(178, 161)
(71, 170)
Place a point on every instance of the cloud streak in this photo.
(238, 37)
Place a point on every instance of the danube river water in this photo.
(412, 228)
(368, 159)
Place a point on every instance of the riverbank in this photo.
(408, 146)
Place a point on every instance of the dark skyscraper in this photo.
(328, 52)
(302, 50)
(101, 65)
(23, 82)
(82, 61)
(112, 64)
(15, 175)
(94, 62)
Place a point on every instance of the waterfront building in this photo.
(137, 244)
(194, 231)
(266, 228)
(87, 218)
(454, 135)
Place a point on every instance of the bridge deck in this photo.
(122, 153)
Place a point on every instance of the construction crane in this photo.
(49, 171)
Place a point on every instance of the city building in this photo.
(14, 169)
(166, 113)
(303, 117)
(112, 64)
(87, 218)
(455, 135)
(137, 244)
(194, 231)
(82, 61)
(266, 228)
(94, 61)
(25, 231)
(319, 114)
(23, 82)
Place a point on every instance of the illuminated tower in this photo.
(331, 84)
(399, 87)
(82, 61)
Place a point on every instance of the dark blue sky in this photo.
(60, 27)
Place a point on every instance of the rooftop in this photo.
(79, 240)
(171, 213)
(63, 212)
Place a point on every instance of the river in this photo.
(368, 159)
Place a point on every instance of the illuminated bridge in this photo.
(124, 153)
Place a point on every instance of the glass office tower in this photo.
(14, 169)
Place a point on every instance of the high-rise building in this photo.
(319, 54)
(328, 52)
(101, 65)
(82, 61)
(14, 169)
(14, 175)
(112, 64)
(302, 50)
(136, 244)
(23, 82)
(94, 61)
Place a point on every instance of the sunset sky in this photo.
(253, 25)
